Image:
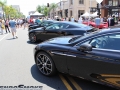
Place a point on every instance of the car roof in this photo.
(73, 23)
(100, 32)
(49, 21)
(110, 30)
(81, 29)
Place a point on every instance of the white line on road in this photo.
(3, 37)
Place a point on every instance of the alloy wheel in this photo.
(33, 37)
(44, 64)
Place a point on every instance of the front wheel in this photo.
(45, 64)
(32, 38)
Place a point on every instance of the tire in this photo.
(33, 38)
(45, 64)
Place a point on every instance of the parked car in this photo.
(45, 23)
(62, 28)
(94, 57)
(32, 24)
(101, 26)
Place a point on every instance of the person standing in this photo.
(97, 21)
(37, 20)
(72, 19)
(1, 27)
(109, 21)
(80, 21)
(25, 23)
(12, 24)
(7, 26)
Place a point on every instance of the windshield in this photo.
(77, 24)
(82, 37)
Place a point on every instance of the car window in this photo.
(56, 26)
(111, 42)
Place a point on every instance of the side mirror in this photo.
(85, 47)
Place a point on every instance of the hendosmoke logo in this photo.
(21, 87)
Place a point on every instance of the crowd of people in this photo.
(111, 20)
(11, 25)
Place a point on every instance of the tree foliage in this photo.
(45, 10)
(9, 11)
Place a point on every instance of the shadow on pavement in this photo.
(53, 82)
(32, 43)
(11, 39)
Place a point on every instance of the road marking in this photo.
(65, 82)
(74, 83)
(3, 37)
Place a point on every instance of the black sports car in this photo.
(95, 56)
(32, 24)
(44, 23)
(61, 28)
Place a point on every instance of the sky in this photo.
(29, 5)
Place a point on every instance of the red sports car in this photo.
(102, 25)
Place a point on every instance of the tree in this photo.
(3, 4)
(39, 8)
(46, 10)
(12, 12)
(53, 6)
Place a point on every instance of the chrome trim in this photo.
(107, 50)
(63, 54)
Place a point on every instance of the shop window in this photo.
(81, 1)
(71, 1)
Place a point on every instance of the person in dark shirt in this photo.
(58, 19)
(25, 23)
(112, 21)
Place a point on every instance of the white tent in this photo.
(94, 14)
(86, 14)
(37, 13)
(56, 16)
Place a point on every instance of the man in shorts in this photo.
(12, 24)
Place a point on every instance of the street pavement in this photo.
(17, 67)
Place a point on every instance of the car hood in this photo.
(63, 40)
(34, 25)
(37, 29)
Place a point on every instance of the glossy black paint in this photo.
(98, 65)
(44, 23)
(70, 29)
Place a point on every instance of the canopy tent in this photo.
(36, 14)
(94, 14)
(56, 16)
(86, 14)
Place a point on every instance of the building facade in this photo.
(110, 7)
(75, 8)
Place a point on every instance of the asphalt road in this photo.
(17, 67)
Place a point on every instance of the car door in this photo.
(103, 60)
(53, 31)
